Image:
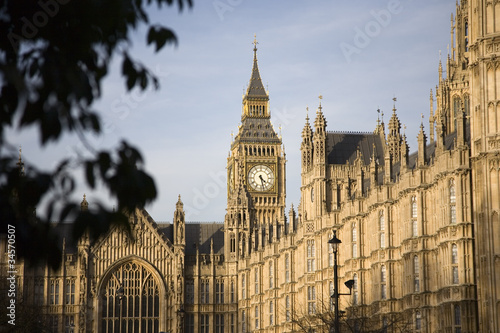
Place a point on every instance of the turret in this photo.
(404, 154)
(422, 141)
(374, 168)
(394, 135)
(387, 166)
(179, 223)
(256, 99)
(358, 165)
(84, 205)
(431, 117)
(319, 137)
(20, 164)
(292, 223)
(306, 146)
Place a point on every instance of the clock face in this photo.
(261, 178)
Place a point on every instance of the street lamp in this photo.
(349, 284)
(120, 293)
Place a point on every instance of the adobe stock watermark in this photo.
(31, 26)
(363, 36)
(223, 6)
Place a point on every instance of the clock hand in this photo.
(262, 180)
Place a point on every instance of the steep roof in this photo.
(256, 130)
(255, 86)
(343, 146)
(199, 234)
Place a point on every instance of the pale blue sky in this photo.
(306, 48)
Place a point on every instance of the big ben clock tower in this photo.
(256, 175)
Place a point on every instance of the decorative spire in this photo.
(84, 205)
(320, 121)
(440, 69)
(20, 163)
(255, 46)
(422, 141)
(255, 87)
(307, 130)
(179, 204)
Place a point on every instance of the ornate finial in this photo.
(382, 113)
(20, 163)
(84, 205)
(320, 107)
(394, 104)
(280, 130)
(404, 130)
(232, 136)
(378, 117)
(307, 113)
(255, 43)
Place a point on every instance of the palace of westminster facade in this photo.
(420, 231)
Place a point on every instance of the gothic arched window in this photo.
(454, 263)
(457, 105)
(383, 282)
(355, 290)
(453, 200)
(416, 274)
(414, 215)
(381, 222)
(133, 295)
(354, 242)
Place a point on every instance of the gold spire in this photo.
(84, 205)
(255, 44)
(20, 163)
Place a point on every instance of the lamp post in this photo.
(349, 284)
(120, 293)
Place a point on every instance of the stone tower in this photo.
(452, 91)
(256, 175)
(483, 55)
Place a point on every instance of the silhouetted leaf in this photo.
(89, 173)
(49, 80)
(160, 36)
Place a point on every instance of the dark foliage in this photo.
(53, 57)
